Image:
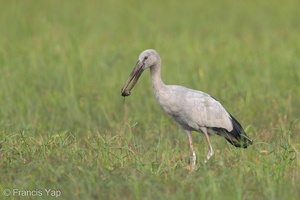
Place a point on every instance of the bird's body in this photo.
(193, 110)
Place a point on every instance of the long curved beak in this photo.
(134, 76)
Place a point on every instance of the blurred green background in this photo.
(63, 64)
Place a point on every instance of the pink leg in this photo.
(193, 155)
(210, 149)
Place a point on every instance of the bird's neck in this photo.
(157, 83)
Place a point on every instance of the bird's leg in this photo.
(210, 149)
(193, 154)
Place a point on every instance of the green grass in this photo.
(64, 125)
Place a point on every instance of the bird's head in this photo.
(147, 58)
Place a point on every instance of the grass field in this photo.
(66, 132)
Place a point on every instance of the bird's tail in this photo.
(237, 136)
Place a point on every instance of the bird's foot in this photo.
(191, 167)
(209, 155)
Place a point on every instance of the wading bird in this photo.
(193, 110)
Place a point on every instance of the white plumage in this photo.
(193, 110)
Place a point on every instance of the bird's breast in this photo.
(168, 101)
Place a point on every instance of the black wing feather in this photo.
(237, 136)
